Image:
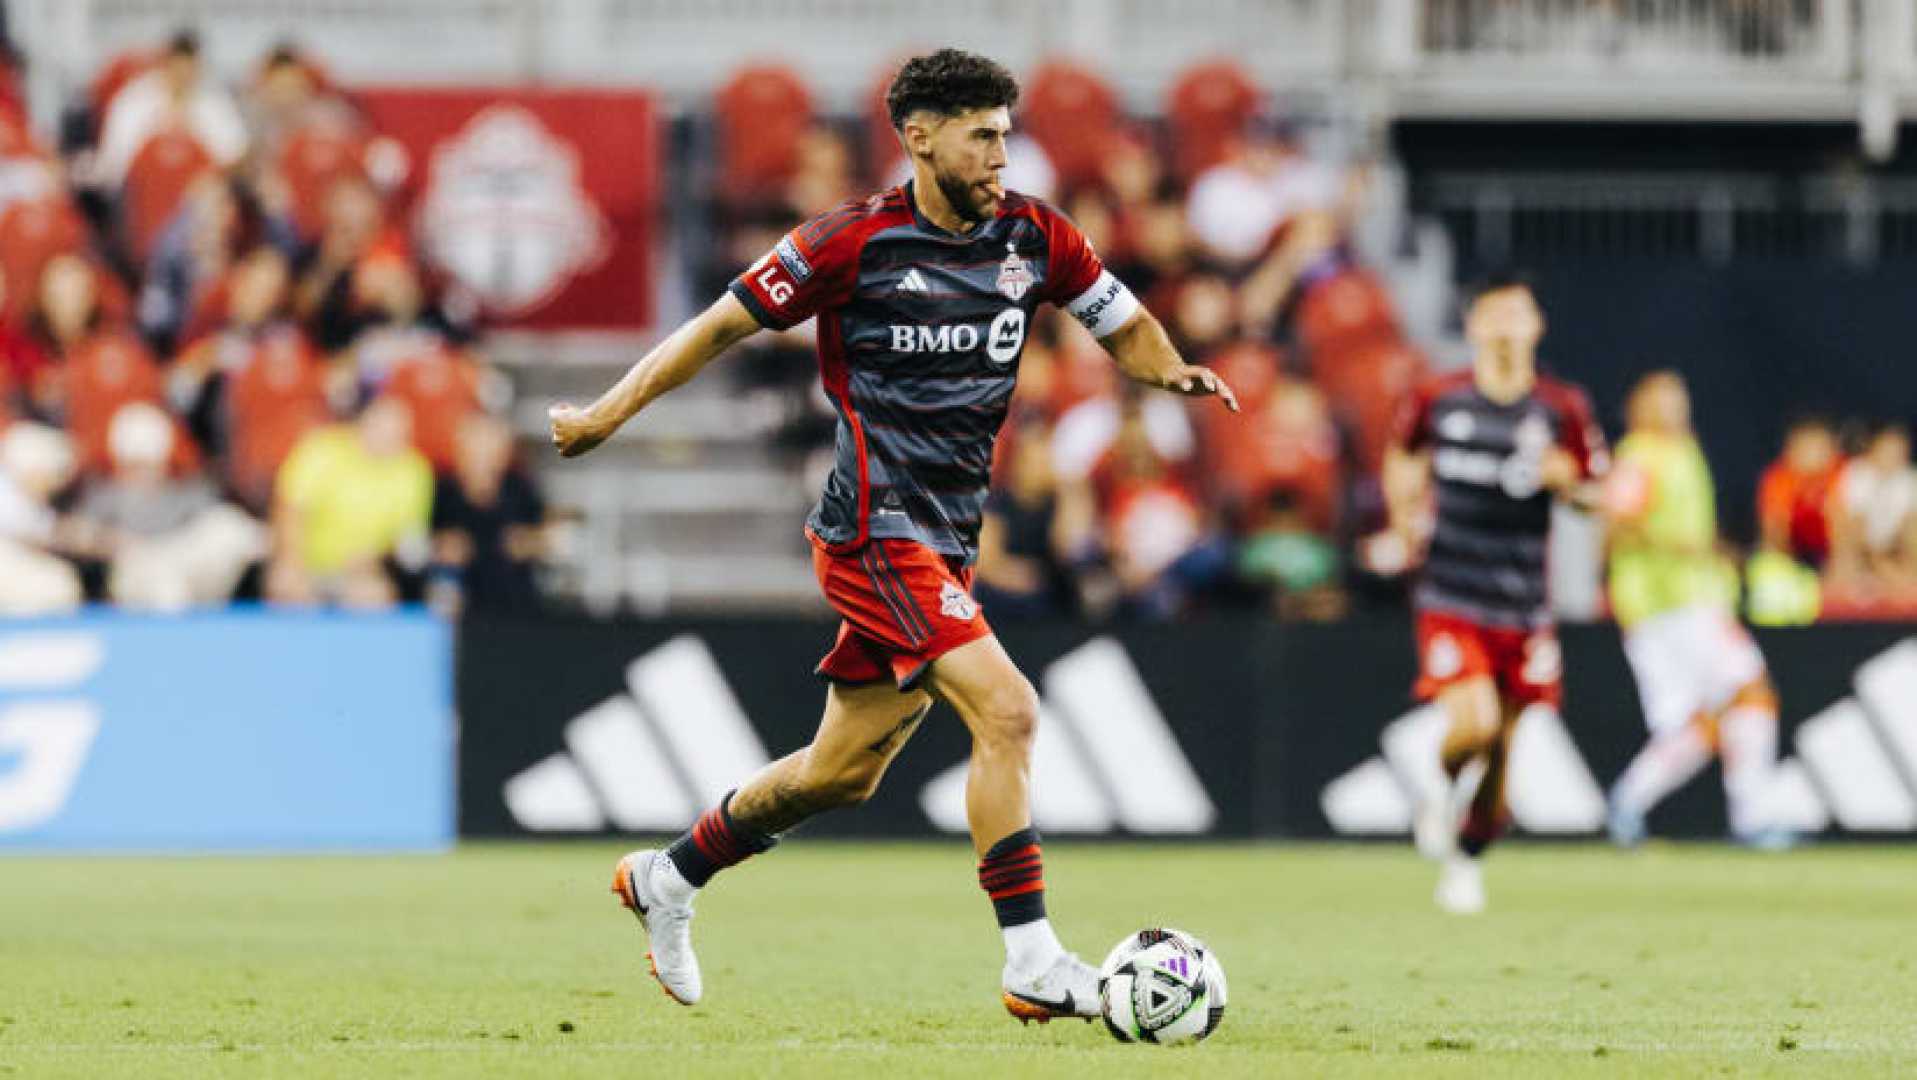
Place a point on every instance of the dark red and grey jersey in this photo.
(920, 332)
(1487, 557)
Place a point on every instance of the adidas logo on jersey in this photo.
(912, 282)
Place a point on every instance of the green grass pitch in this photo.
(829, 959)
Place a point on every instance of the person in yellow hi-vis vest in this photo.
(1701, 678)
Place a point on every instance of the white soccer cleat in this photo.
(668, 927)
(1461, 885)
(1066, 989)
(1435, 829)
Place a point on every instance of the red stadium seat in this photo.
(13, 97)
(1074, 115)
(31, 233)
(882, 150)
(1251, 370)
(1351, 303)
(442, 389)
(156, 182)
(276, 397)
(762, 113)
(16, 137)
(1367, 379)
(1208, 108)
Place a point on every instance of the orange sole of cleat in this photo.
(1026, 1012)
(653, 965)
(621, 886)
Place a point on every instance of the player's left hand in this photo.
(1194, 381)
(1560, 471)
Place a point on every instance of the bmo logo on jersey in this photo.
(1002, 339)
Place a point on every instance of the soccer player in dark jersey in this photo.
(1498, 443)
(923, 295)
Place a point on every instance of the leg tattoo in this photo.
(890, 740)
(777, 799)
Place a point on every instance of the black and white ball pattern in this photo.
(1162, 986)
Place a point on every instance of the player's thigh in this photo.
(1726, 659)
(1472, 703)
(988, 691)
(864, 727)
(1663, 663)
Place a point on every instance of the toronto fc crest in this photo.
(505, 213)
(1014, 274)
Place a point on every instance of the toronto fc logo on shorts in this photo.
(1443, 658)
(1014, 274)
(505, 212)
(956, 603)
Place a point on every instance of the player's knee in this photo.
(1009, 717)
(843, 784)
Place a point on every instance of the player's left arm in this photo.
(1575, 467)
(1146, 354)
(1076, 280)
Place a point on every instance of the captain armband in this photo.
(1104, 307)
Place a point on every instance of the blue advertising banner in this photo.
(240, 730)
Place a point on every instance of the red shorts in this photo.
(905, 606)
(1525, 664)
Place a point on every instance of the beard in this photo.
(966, 200)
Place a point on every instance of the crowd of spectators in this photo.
(1837, 525)
(223, 372)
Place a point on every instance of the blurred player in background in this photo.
(1701, 677)
(1498, 443)
(923, 295)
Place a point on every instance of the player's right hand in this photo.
(576, 430)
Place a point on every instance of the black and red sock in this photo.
(715, 842)
(1013, 875)
(1481, 830)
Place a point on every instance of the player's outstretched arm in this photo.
(1145, 354)
(671, 363)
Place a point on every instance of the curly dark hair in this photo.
(949, 82)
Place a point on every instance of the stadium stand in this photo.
(1348, 266)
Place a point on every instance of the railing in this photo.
(1709, 217)
(1696, 37)
(1753, 58)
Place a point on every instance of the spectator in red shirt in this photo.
(1163, 548)
(256, 383)
(1793, 499)
(92, 365)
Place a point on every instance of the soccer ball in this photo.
(1161, 986)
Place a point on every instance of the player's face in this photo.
(1664, 406)
(966, 153)
(1504, 328)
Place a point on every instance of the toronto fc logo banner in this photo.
(539, 204)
